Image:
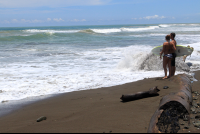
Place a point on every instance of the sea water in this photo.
(41, 61)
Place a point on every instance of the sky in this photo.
(14, 13)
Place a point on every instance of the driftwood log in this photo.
(139, 95)
(173, 107)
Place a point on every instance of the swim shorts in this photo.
(173, 59)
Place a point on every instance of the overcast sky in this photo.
(97, 12)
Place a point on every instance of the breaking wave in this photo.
(116, 30)
(87, 31)
(25, 37)
(50, 31)
(92, 31)
(162, 25)
(149, 62)
(139, 29)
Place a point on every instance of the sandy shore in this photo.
(97, 110)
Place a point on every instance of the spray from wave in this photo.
(148, 62)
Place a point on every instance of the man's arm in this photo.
(162, 51)
(174, 46)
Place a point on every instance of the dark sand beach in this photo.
(97, 110)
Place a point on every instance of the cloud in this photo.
(76, 20)
(37, 21)
(23, 21)
(150, 17)
(15, 21)
(41, 21)
(83, 20)
(58, 20)
(50, 3)
(154, 17)
(5, 21)
(48, 19)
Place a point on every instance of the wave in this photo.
(50, 31)
(162, 25)
(192, 24)
(25, 37)
(114, 30)
(103, 31)
(92, 31)
(148, 35)
(153, 63)
(31, 34)
(147, 61)
(139, 29)
(87, 31)
(117, 30)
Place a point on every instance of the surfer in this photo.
(167, 50)
(173, 67)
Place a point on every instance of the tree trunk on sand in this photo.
(139, 95)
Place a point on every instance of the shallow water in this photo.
(38, 61)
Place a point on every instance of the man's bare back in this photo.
(167, 48)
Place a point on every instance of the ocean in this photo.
(42, 61)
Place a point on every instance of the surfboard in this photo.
(180, 50)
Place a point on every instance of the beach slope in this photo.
(96, 110)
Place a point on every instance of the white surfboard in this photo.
(180, 50)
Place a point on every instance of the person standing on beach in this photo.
(167, 50)
(173, 67)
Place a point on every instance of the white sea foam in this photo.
(50, 31)
(148, 35)
(182, 29)
(194, 24)
(114, 30)
(124, 29)
(132, 60)
(96, 68)
(139, 29)
(194, 59)
(51, 68)
(164, 25)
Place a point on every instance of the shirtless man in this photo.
(173, 67)
(167, 50)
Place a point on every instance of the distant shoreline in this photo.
(94, 25)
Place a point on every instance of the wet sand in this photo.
(93, 111)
